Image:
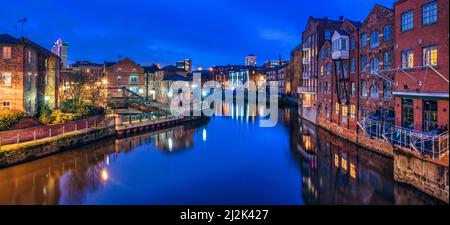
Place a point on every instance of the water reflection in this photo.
(227, 160)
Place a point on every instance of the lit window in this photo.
(344, 164)
(407, 59)
(352, 171)
(321, 70)
(353, 89)
(336, 160)
(407, 21)
(429, 13)
(337, 109)
(6, 78)
(6, 52)
(352, 111)
(430, 56)
(344, 110)
(6, 104)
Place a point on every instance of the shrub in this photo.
(57, 117)
(44, 113)
(9, 117)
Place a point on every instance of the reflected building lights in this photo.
(104, 175)
(204, 135)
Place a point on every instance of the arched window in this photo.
(374, 66)
(374, 90)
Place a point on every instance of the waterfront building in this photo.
(317, 31)
(345, 76)
(325, 82)
(29, 75)
(124, 74)
(278, 74)
(61, 49)
(94, 70)
(376, 62)
(250, 60)
(150, 77)
(294, 70)
(163, 78)
(185, 65)
(421, 54)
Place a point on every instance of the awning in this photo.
(422, 95)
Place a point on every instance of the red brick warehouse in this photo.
(421, 53)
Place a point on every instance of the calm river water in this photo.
(225, 160)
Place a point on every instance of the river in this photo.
(224, 160)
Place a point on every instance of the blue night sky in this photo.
(215, 32)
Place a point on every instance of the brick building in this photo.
(124, 74)
(421, 52)
(376, 62)
(325, 82)
(317, 31)
(345, 75)
(29, 75)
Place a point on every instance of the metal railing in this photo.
(42, 132)
(425, 144)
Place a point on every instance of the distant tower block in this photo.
(250, 60)
(61, 49)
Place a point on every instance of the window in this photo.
(321, 70)
(408, 113)
(322, 53)
(363, 40)
(29, 81)
(407, 21)
(344, 111)
(6, 104)
(374, 66)
(6, 52)
(6, 78)
(364, 89)
(337, 68)
(429, 13)
(328, 69)
(374, 40)
(29, 56)
(337, 109)
(134, 79)
(327, 35)
(374, 90)
(387, 60)
(387, 91)
(345, 69)
(353, 88)
(430, 116)
(387, 33)
(352, 65)
(119, 79)
(429, 55)
(352, 111)
(328, 51)
(407, 59)
(363, 63)
(352, 43)
(134, 89)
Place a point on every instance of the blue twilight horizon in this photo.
(211, 33)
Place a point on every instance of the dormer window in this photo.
(339, 44)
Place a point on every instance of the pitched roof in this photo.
(36, 46)
(8, 39)
(151, 69)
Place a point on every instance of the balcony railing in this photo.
(306, 75)
(306, 60)
(305, 90)
(425, 144)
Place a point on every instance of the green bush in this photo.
(9, 117)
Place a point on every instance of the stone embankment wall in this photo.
(427, 176)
